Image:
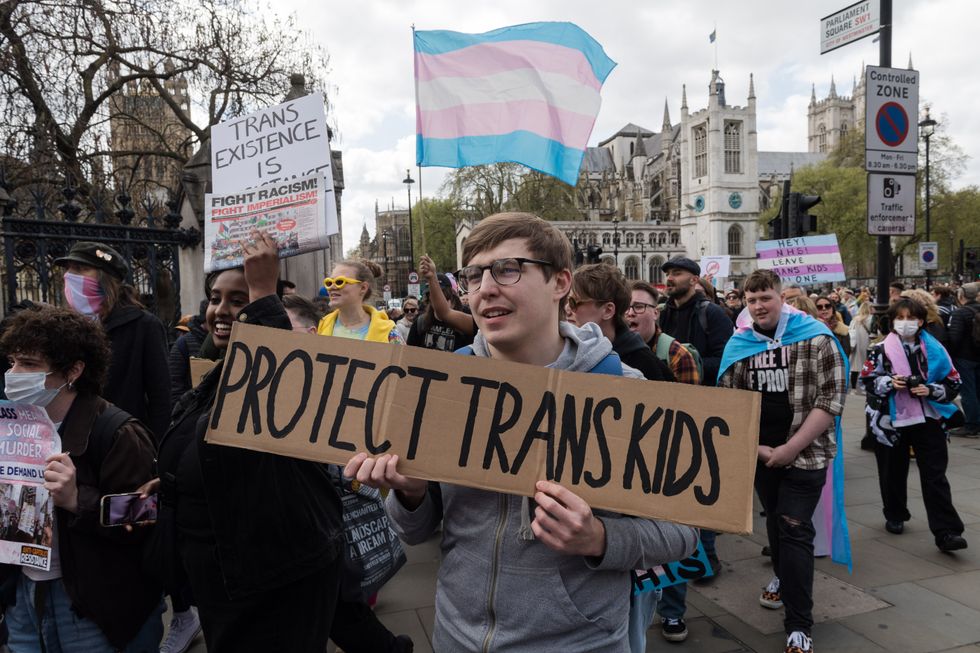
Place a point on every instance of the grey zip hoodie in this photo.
(497, 591)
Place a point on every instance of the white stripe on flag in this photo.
(557, 90)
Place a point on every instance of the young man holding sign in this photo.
(797, 365)
(506, 557)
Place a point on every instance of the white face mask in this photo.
(906, 328)
(28, 387)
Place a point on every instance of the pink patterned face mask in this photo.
(84, 294)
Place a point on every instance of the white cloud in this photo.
(659, 47)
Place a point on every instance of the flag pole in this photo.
(715, 32)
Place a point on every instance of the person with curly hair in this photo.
(94, 597)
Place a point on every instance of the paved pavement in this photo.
(905, 595)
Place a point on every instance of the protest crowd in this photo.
(268, 565)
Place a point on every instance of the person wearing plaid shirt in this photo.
(642, 317)
(797, 366)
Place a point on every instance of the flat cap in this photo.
(683, 263)
(96, 255)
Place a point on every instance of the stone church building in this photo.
(693, 188)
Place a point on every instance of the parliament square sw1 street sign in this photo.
(891, 120)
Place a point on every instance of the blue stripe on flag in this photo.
(543, 154)
(565, 34)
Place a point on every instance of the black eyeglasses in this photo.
(505, 271)
(639, 308)
(574, 303)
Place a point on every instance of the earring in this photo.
(71, 385)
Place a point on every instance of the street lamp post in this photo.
(616, 240)
(408, 181)
(928, 128)
(385, 235)
(643, 260)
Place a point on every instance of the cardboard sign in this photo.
(805, 260)
(673, 573)
(651, 449)
(199, 369)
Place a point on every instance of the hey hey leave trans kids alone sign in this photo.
(661, 450)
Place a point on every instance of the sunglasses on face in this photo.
(411, 310)
(338, 282)
(824, 307)
(574, 303)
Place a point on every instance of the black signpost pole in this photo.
(884, 242)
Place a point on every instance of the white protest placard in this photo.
(273, 145)
(27, 439)
(805, 260)
(295, 213)
(716, 266)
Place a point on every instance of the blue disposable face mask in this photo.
(28, 388)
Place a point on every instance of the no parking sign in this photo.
(891, 119)
(929, 256)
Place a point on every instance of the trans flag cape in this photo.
(795, 326)
(527, 93)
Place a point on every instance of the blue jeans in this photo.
(673, 603)
(66, 632)
(642, 607)
(970, 375)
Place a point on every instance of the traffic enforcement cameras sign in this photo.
(891, 120)
(891, 204)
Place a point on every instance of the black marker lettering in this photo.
(369, 411)
(332, 363)
(427, 376)
(345, 401)
(250, 402)
(600, 438)
(224, 389)
(634, 455)
(478, 385)
(498, 427)
(546, 411)
(673, 485)
(711, 457)
(304, 395)
(571, 440)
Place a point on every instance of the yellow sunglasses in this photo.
(338, 283)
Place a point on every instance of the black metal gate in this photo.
(33, 240)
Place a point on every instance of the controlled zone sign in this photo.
(891, 204)
(848, 25)
(892, 130)
(645, 448)
(929, 256)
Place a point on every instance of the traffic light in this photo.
(779, 226)
(972, 263)
(579, 255)
(800, 222)
(593, 253)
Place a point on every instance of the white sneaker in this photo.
(184, 627)
(799, 642)
(770, 597)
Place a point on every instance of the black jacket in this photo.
(709, 329)
(274, 519)
(635, 353)
(102, 567)
(186, 346)
(139, 374)
(960, 333)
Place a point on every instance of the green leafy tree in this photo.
(437, 217)
(488, 189)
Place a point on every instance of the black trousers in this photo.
(356, 629)
(790, 496)
(296, 617)
(932, 457)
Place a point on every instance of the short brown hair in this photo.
(643, 286)
(304, 308)
(606, 283)
(760, 280)
(62, 337)
(543, 239)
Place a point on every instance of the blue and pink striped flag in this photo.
(527, 93)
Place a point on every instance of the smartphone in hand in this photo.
(129, 508)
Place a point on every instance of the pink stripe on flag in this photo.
(782, 251)
(504, 117)
(490, 58)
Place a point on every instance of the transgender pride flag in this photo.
(528, 93)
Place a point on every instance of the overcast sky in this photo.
(658, 45)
